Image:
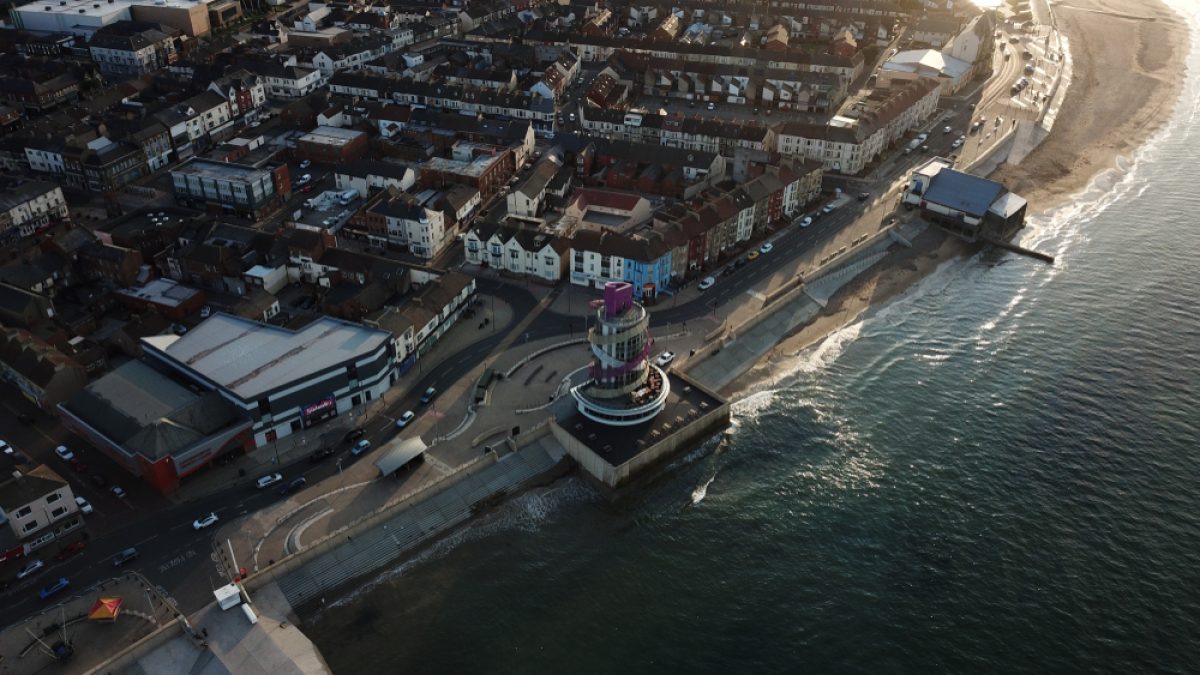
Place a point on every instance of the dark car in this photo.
(71, 550)
(54, 588)
(99, 481)
(864, 196)
(728, 271)
(321, 455)
(125, 556)
(428, 396)
(25, 419)
(79, 465)
(294, 485)
(354, 435)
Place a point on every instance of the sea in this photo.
(998, 471)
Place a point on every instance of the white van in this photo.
(348, 196)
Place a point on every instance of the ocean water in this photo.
(997, 472)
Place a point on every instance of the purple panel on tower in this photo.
(618, 297)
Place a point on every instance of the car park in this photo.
(664, 359)
(706, 283)
(360, 447)
(54, 588)
(404, 419)
(84, 505)
(31, 568)
(71, 550)
(268, 480)
(428, 395)
(64, 454)
(117, 492)
(206, 521)
(125, 556)
(295, 484)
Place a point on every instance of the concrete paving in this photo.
(373, 548)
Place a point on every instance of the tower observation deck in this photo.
(623, 387)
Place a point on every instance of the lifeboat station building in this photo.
(965, 205)
(284, 381)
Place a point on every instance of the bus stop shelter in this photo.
(399, 453)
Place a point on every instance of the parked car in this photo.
(712, 106)
(79, 465)
(31, 568)
(56, 587)
(664, 359)
(207, 521)
(728, 271)
(354, 435)
(404, 419)
(205, 312)
(766, 248)
(428, 396)
(268, 480)
(99, 481)
(294, 485)
(71, 550)
(85, 507)
(806, 222)
(117, 492)
(360, 447)
(946, 130)
(320, 455)
(125, 556)
(864, 196)
(706, 283)
(64, 454)
(305, 164)
(957, 143)
(752, 256)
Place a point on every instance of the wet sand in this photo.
(1118, 48)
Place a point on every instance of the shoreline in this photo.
(1058, 170)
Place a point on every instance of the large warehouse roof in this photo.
(250, 358)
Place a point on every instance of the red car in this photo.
(71, 550)
(308, 188)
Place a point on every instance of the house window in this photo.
(30, 526)
(53, 497)
(56, 513)
(22, 512)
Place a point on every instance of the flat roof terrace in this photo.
(686, 403)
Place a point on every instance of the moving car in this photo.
(428, 395)
(84, 506)
(322, 454)
(268, 480)
(71, 550)
(712, 106)
(664, 359)
(31, 568)
(766, 248)
(206, 521)
(728, 271)
(407, 417)
(305, 164)
(124, 557)
(706, 283)
(117, 492)
(64, 454)
(291, 487)
(360, 447)
(806, 222)
(53, 588)
(354, 435)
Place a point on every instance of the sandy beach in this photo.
(1118, 47)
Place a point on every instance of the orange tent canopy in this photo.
(106, 609)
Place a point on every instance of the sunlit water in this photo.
(997, 472)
